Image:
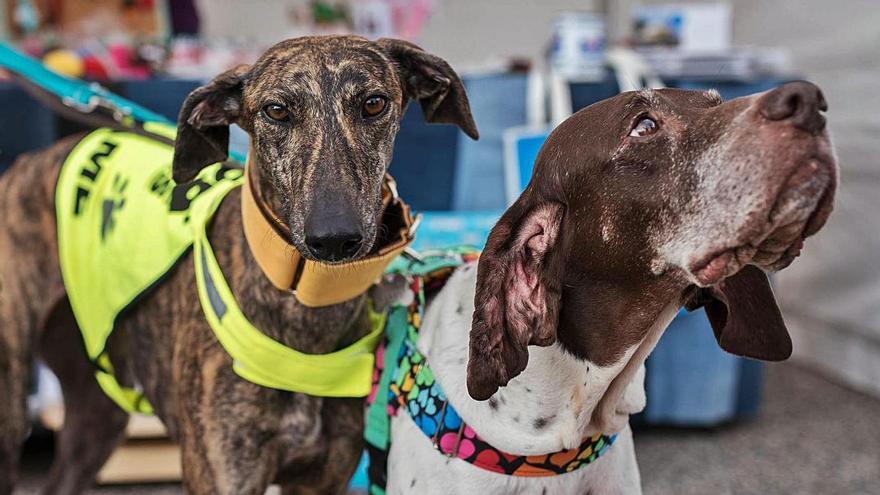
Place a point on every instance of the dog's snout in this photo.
(799, 102)
(333, 235)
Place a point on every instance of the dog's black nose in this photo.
(800, 102)
(335, 247)
(333, 237)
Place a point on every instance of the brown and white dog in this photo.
(322, 114)
(639, 205)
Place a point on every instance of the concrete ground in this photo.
(812, 437)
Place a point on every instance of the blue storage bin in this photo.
(688, 382)
(423, 163)
(498, 102)
(585, 94)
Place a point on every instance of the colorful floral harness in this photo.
(403, 380)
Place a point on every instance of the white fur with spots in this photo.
(547, 408)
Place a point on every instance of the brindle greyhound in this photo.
(322, 114)
(638, 205)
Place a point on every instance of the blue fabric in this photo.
(164, 96)
(361, 480)
(28, 125)
(424, 161)
(441, 229)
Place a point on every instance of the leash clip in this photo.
(96, 101)
(415, 225)
(391, 184)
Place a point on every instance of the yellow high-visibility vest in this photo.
(123, 224)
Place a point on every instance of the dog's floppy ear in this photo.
(744, 316)
(432, 82)
(519, 287)
(203, 124)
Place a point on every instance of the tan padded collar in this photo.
(313, 283)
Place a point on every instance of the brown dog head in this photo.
(322, 114)
(646, 200)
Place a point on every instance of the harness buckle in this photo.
(417, 220)
(458, 439)
(413, 255)
(435, 440)
(392, 187)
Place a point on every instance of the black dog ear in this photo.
(744, 316)
(203, 124)
(519, 289)
(432, 82)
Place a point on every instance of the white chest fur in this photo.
(545, 409)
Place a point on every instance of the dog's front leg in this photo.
(226, 442)
(342, 442)
(332, 474)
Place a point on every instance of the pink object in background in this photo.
(410, 17)
(123, 58)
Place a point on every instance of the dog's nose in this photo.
(800, 102)
(336, 246)
(333, 236)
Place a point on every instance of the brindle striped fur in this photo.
(236, 437)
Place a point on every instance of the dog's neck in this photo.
(552, 404)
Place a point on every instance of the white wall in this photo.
(465, 32)
(470, 33)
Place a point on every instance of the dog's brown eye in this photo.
(645, 127)
(276, 112)
(374, 106)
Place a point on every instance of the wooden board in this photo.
(142, 461)
(139, 425)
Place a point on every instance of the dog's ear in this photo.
(203, 124)
(432, 82)
(516, 304)
(744, 316)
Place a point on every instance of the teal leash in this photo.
(78, 95)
